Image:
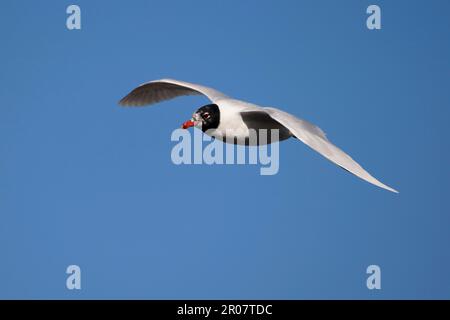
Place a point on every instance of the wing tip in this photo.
(125, 102)
(130, 101)
(122, 102)
(383, 186)
(392, 190)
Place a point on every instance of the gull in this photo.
(225, 114)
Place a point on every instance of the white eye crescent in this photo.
(206, 115)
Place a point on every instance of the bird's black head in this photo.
(208, 116)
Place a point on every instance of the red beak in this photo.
(188, 124)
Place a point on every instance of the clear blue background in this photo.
(84, 181)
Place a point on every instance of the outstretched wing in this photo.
(165, 89)
(315, 138)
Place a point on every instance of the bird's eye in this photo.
(206, 115)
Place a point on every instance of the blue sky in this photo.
(85, 182)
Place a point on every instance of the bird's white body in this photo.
(239, 117)
(232, 123)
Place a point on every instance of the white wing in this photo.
(315, 138)
(165, 89)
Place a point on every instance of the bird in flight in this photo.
(225, 115)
